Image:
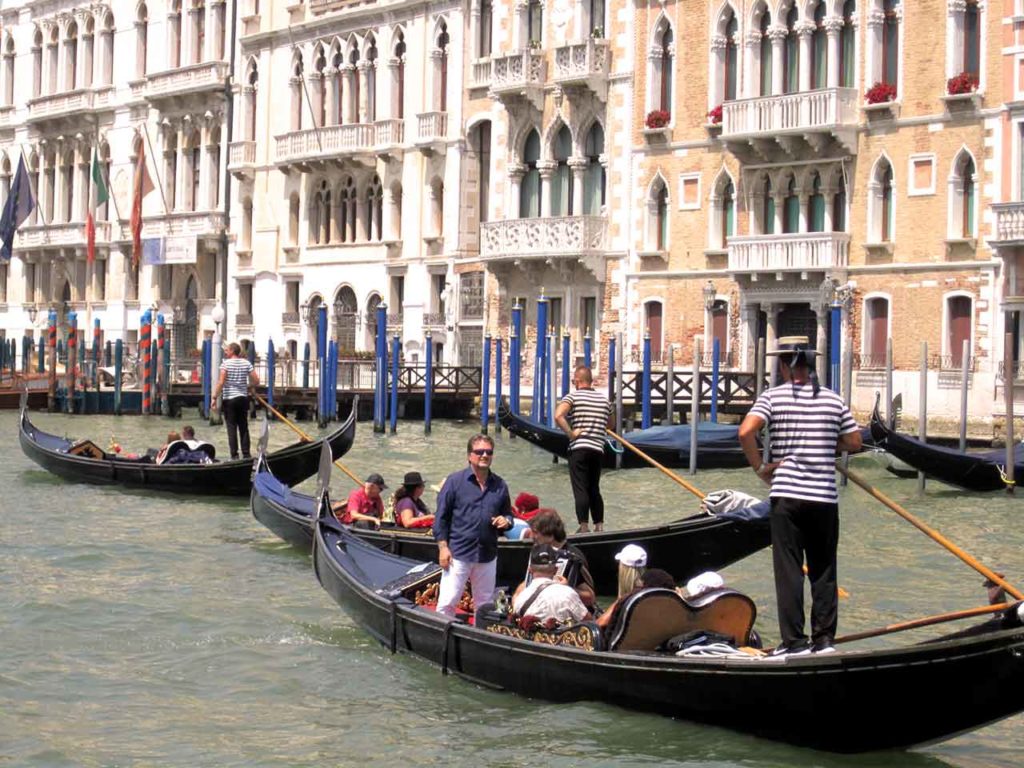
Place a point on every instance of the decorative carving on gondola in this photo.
(583, 636)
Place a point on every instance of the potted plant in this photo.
(597, 33)
(880, 93)
(657, 118)
(715, 115)
(963, 84)
(535, 45)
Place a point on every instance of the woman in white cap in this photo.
(632, 561)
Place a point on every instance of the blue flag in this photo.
(20, 203)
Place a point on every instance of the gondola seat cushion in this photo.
(651, 617)
(87, 449)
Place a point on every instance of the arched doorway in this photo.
(345, 314)
(371, 321)
(186, 323)
(314, 325)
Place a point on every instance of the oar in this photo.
(930, 532)
(304, 436)
(927, 621)
(657, 465)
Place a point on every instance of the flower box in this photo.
(880, 92)
(962, 84)
(657, 118)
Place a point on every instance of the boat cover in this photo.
(271, 488)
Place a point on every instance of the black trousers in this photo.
(585, 476)
(805, 528)
(236, 419)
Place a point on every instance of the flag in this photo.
(143, 186)
(20, 203)
(100, 196)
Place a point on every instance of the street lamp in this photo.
(217, 315)
(304, 311)
(827, 291)
(709, 295)
(33, 311)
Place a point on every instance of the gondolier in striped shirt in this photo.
(236, 376)
(807, 425)
(583, 415)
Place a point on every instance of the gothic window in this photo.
(819, 48)
(562, 181)
(890, 42)
(530, 189)
(442, 69)
(71, 57)
(848, 46)
(399, 105)
(594, 175)
(174, 35)
(375, 210)
(791, 54)
(141, 40)
(765, 55)
(663, 67)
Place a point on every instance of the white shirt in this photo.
(558, 601)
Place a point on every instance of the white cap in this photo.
(633, 556)
(703, 582)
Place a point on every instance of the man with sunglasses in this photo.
(473, 507)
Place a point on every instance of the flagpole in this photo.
(159, 181)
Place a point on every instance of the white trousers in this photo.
(453, 581)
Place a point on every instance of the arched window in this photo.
(320, 221)
(480, 142)
(337, 88)
(252, 82)
(534, 22)
(174, 35)
(37, 64)
(375, 210)
(51, 62)
(882, 212)
(170, 168)
(320, 87)
(876, 332)
(346, 311)
(653, 327)
(399, 105)
(441, 96)
(664, 66)
(596, 17)
(768, 207)
(371, 80)
(765, 55)
(972, 39)
(297, 97)
(594, 176)
(141, 40)
(219, 14)
(103, 210)
(193, 154)
(731, 74)
(67, 181)
(107, 51)
(718, 329)
(959, 313)
(198, 31)
(214, 172)
(88, 42)
(353, 92)
(839, 206)
(529, 189)
(819, 48)
(293, 219)
(9, 58)
(728, 212)
(963, 197)
(890, 42)
(848, 46)
(562, 181)
(485, 32)
(347, 201)
(816, 205)
(51, 184)
(71, 57)
(791, 54)
(658, 215)
(791, 208)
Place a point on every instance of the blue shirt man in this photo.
(473, 507)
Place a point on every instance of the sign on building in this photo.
(180, 249)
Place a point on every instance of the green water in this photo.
(156, 630)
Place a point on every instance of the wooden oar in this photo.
(657, 465)
(930, 532)
(927, 621)
(303, 435)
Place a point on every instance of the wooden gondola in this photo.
(84, 461)
(848, 701)
(981, 471)
(684, 548)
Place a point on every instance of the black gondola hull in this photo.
(292, 464)
(684, 548)
(843, 702)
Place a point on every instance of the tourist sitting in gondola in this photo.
(365, 507)
(546, 599)
(407, 502)
(185, 449)
(547, 528)
(648, 579)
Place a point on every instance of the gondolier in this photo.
(236, 375)
(583, 415)
(806, 424)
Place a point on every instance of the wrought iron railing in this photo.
(952, 362)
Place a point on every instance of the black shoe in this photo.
(797, 648)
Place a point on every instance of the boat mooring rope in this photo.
(1002, 476)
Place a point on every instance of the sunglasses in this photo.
(482, 451)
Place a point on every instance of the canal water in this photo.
(143, 629)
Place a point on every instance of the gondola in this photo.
(684, 548)
(848, 701)
(718, 445)
(84, 461)
(981, 471)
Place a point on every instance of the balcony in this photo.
(179, 223)
(395, 320)
(359, 141)
(60, 235)
(244, 319)
(583, 65)
(433, 319)
(777, 128)
(431, 130)
(388, 134)
(205, 77)
(1009, 227)
(60, 105)
(289, 318)
(242, 159)
(795, 252)
(480, 73)
(518, 76)
(558, 241)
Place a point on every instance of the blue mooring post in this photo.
(41, 352)
(96, 354)
(485, 401)
(119, 367)
(549, 400)
(537, 406)
(321, 364)
(26, 353)
(587, 349)
(382, 368)
(270, 375)
(396, 349)
(515, 357)
(497, 384)
(305, 365)
(428, 383)
(332, 380)
(835, 356)
(716, 359)
(108, 354)
(645, 412)
(207, 380)
(565, 363)
(611, 369)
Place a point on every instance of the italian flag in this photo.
(100, 196)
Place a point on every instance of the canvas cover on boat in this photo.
(269, 487)
(709, 434)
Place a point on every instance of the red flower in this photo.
(715, 115)
(657, 118)
(965, 82)
(880, 92)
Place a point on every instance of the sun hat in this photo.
(793, 347)
(543, 554)
(632, 555)
(376, 479)
(704, 582)
(412, 479)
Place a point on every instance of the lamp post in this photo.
(217, 315)
(33, 312)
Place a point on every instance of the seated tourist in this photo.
(410, 511)
(188, 432)
(632, 570)
(547, 528)
(365, 507)
(547, 596)
(172, 438)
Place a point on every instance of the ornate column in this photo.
(833, 26)
(780, 212)
(519, 33)
(805, 213)
(828, 194)
(717, 89)
(348, 105)
(875, 20)
(316, 97)
(805, 30)
(955, 11)
(179, 167)
(821, 340)
(331, 105)
(515, 172)
(578, 166)
(195, 55)
(364, 90)
(777, 35)
(750, 86)
(771, 337)
(547, 170)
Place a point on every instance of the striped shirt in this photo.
(236, 383)
(804, 431)
(588, 410)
